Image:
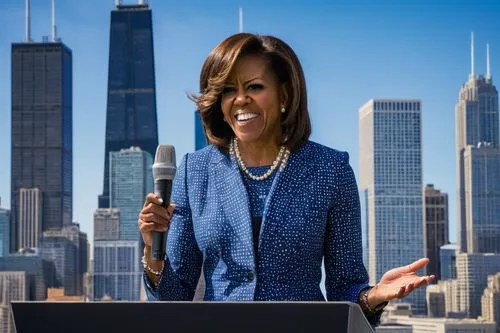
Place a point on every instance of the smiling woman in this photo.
(261, 208)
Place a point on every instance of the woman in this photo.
(262, 206)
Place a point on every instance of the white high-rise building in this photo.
(391, 182)
(29, 228)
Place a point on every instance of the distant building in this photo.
(421, 324)
(392, 187)
(436, 227)
(490, 301)
(477, 124)
(14, 286)
(107, 224)
(4, 231)
(443, 300)
(131, 117)
(29, 223)
(472, 276)
(42, 132)
(116, 270)
(79, 239)
(200, 139)
(394, 329)
(40, 272)
(482, 197)
(63, 252)
(57, 295)
(131, 179)
(448, 261)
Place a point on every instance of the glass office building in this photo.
(391, 179)
(131, 117)
(42, 135)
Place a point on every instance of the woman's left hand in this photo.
(399, 282)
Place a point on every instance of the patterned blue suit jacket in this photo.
(312, 213)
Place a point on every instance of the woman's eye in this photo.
(228, 90)
(255, 86)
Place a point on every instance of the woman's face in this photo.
(251, 101)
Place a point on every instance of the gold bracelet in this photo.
(149, 269)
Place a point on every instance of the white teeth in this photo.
(245, 116)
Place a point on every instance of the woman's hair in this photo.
(285, 65)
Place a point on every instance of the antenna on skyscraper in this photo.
(488, 73)
(54, 34)
(472, 54)
(241, 19)
(28, 27)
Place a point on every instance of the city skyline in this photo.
(407, 63)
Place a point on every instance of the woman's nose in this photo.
(241, 97)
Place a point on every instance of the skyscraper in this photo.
(14, 286)
(4, 231)
(436, 227)
(107, 224)
(131, 118)
(130, 181)
(477, 127)
(117, 273)
(29, 224)
(42, 146)
(200, 139)
(391, 180)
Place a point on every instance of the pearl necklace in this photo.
(281, 160)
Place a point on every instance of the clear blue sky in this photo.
(351, 50)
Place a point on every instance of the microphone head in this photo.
(164, 166)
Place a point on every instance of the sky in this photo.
(351, 51)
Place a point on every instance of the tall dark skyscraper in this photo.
(436, 227)
(42, 138)
(200, 139)
(131, 118)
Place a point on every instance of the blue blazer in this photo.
(312, 213)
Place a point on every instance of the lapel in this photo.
(233, 197)
(234, 200)
(286, 184)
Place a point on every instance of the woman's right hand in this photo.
(154, 216)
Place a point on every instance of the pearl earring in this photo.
(283, 110)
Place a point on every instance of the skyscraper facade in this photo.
(436, 227)
(63, 253)
(477, 125)
(131, 118)
(131, 180)
(107, 224)
(391, 180)
(482, 198)
(29, 224)
(116, 270)
(79, 239)
(4, 231)
(200, 139)
(41, 140)
(14, 286)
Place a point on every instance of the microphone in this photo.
(164, 169)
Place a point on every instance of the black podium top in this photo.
(157, 317)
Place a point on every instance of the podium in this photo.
(187, 317)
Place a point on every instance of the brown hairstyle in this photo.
(283, 63)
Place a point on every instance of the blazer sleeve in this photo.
(184, 258)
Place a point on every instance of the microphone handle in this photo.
(163, 189)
